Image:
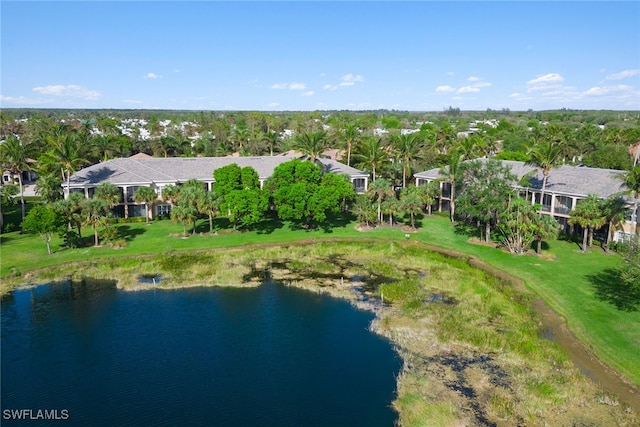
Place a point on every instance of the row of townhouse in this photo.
(142, 170)
(566, 186)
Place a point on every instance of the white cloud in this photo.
(351, 78)
(546, 82)
(468, 89)
(152, 76)
(605, 90)
(445, 88)
(308, 93)
(473, 79)
(623, 75)
(347, 80)
(482, 84)
(547, 78)
(290, 86)
(22, 100)
(273, 105)
(70, 91)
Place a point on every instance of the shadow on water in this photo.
(609, 287)
(150, 279)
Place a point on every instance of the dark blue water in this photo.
(267, 356)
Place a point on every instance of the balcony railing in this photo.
(562, 210)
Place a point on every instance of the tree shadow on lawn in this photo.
(127, 233)
(336, 221)
(268, 226)
(340, 220)
(609, 287)
(465, 229)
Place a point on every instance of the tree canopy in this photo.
(301, 192)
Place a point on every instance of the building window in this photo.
(546, 205)
(563, 205)
(446, 190)
(137, 211)
(359, 185)
(631, 217)
(163, 210)
(118, 211)
(130, 192)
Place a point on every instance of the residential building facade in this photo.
(142, 170)
(566, 186)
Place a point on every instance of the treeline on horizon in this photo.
(600, 117)
(595, 138)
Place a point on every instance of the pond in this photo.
(270, 355)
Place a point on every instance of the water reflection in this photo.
(271, 355)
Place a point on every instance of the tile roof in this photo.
(565, 179)
(146, 170)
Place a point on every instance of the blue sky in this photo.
(298, 55)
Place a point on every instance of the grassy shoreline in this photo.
(478, 320)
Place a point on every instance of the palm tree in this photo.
(631, 181)
(545, 155)
(428, 193)
(209, 205)
(451, 173)
(108, 192)
(191, 195)
(171, 194)
(94, 211)
(390, 206)
(272, 139)
(408, 148)
(146, 195)
(371, 155)
(468, 147)
(183, 214)
(362, 209)
(312, 144)
(546, 227)
(67, 152)
(410, 203)
(240, 137)
(379, 190)
(49, 187)
(589, 215)
(16, 158)
(351, 135)
(615, 213)
(445, 135)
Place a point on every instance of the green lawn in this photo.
(566, 278)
